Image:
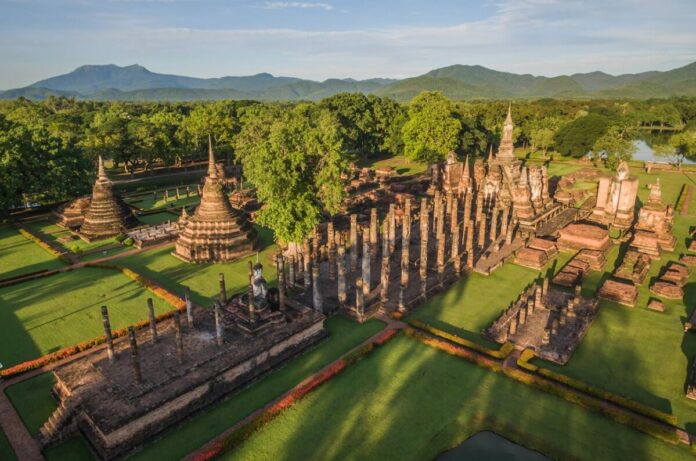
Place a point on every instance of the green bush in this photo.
(120, 238)
(128, 242)
(501, 353)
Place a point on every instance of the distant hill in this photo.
(459, 82)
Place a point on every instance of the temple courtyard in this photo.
(403, 400)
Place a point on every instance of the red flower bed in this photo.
(297, 394)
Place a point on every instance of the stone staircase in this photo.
(59, 424)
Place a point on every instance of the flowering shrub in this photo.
(44, 245)
(454, 349)
(294, 396)
(501, 353)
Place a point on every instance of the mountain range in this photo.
(459, 82)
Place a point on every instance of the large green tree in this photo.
(295, 160)
(578, 137)
(432, 129)
(615, 146)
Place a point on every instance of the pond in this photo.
(645, 153)
(489, 446)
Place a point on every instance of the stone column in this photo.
(504, 224)
(456, 258)
(331, 248)
(307, 265)
(470, 245)
(219, 339)
(280, 263)
(437, 203)
(405, 253)
(467, 207)
(177, 193)
(366, 275)
(151, 315)
(385, 272)
(316, 292)
(545, 287)
(189, 306)
(359, 298)
(135, 363)
(482, 233)
(251, 308)
(373, 233)
(424, 235)
(223, 291)
(353, 242)
(513, 325)
(316, 242)
(291, 272)
(107, 334)
(440, 220)
(494, 224)
(392, 227)
(178, 338)
(341, 267)
(523, 313)
(578, 294)
(441, 256)
(406, 220)
(448, 201)
(537, 297)
(479, 206)
(188, 191)
(454, 214)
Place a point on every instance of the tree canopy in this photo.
(432, 130)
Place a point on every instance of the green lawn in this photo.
(147, 202)
(472, 303)
(47, 314)
(400, 163)
(174, 273)
(6, 452)
(158, 218)
(19, 255)
(33, 402)
(643, 354)
(53, 232)
(409, 402)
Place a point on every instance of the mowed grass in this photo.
(6, 451)
(476, 300)
(19, 255)
(148, 201)
(157, 218)
(47, 314)
(50, 231)
(175, 274)
(407, 401)
(33, 402)
(400, 163)
(639, 353)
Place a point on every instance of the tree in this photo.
(218, 119)
(680, 146)
(432, 129)
(615, 146)
(294, 158)
(541, 138)
(356, 119)
(390, 117)
(578, 137)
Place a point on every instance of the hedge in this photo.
(501, 353)
(44, 245)
(295, 395)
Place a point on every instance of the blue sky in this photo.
(341, 38)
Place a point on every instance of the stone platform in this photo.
(117, 413)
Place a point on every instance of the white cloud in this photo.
(301, 5)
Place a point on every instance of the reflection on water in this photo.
(489, 446)
(645, 153)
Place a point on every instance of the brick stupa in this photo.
(215, 232)
(107, 215)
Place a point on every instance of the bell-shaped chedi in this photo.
(107, 215)
(215, 232)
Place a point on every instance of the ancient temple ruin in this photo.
(616, 199)
(107, 215)
(216, 232)
(653, 231)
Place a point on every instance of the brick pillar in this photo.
(384, 278)
(188, 191)
(456, 258)
(406, 220)
(538, 304)
(331, 248)
(353, 242)
(437, 203)
(424, 235)
(386, 249)
(359, 298)
(291, 272)
(366, 275)
(316, 242)
(545, 287)
(467, 206)
(189, 306)
(494, 224)
(219, 339)
(316, 292)
(107, 334)
(392, 227)
(280, 263)
(178, 338)
(504, 224)
(448, 201)
(307, 265)
(250, 295)
(523, 313)
(441, 241)
(482, 233)
(373, 233)
(513, 326)
(510, 233)
(405, 251)
(151, 315)
(470, 245)
(223, 291)
(135, 363)
(454, 213)
(177, 193)
(341, 269)
(440, 220)
(479, 206)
